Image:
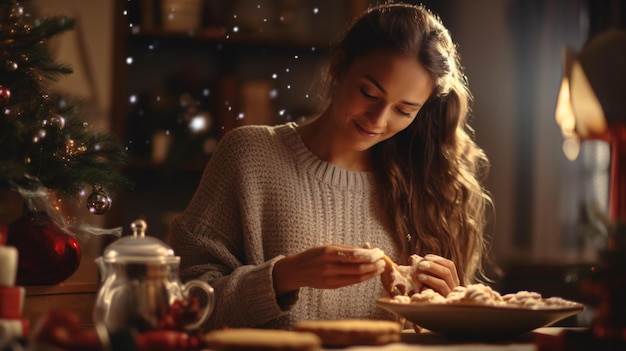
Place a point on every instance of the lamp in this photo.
(591, 105)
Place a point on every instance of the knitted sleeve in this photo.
(209, 238)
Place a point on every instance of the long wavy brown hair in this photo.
(432, 191)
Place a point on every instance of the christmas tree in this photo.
(44, 143)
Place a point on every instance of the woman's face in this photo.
(379, 96)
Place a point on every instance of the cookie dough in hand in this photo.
(400, 279)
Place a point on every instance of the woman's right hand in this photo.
(324, 267)
(438, 273)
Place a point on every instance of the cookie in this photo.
(400, 279)
(244, 339)
(371, 255)
(349, 332)
(388, 276)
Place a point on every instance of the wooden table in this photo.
(78, 298)
(77, 294)
(428, 341)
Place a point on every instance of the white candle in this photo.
(13, 328)
(8, 265)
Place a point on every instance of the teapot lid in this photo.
(139, 247)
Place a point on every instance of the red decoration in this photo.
(617, 196)
(62, 329)
(3, 235)
(180, 314)
(169, 340)
(10, 298)
(5, 94)
(47, 254)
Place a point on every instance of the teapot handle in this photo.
(210, 300)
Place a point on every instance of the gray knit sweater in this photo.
(264, 195)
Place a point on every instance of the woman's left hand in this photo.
(438, 273)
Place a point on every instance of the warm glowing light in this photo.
(564, 114)
(590, 119)
(199, 123)
(578, 111)
(571, 148)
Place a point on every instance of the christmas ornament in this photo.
(99, 201)
(56, 121)
(43, 140)
(62, 330)
(11, 66)
(47, 254)
(73, 148)
(16, 11)
(5, 94)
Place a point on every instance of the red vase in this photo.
(47, 254)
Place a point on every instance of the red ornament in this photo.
(62, 329)
(5, 94)
(47, 254)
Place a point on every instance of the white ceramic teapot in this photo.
(141, 289)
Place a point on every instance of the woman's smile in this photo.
(379, 96)
(362, 130)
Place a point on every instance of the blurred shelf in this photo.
(241, 67)
(68, 287)
(277, 39)
(186, 166)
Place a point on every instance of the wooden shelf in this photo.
(237, 61)
(188, 166)
(74, 297)
(277, 39)
(62, 288)
(81, 304)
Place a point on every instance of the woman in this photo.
(388, 162)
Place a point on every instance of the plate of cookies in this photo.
(479, 312)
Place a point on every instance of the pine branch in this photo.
(43, 138)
